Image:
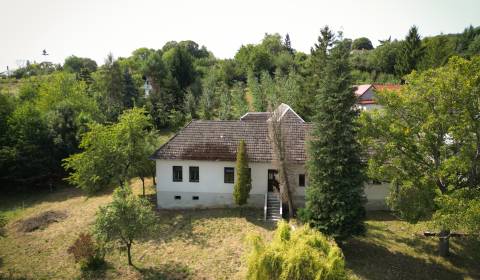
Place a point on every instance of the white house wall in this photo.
(211, 189)
(213, 192)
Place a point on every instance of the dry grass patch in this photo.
(40, 221)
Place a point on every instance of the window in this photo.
(178, 197)
(177, 174)
(301, 180)
(194, 174)
(195, 197)
(228, 175)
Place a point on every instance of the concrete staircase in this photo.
(273, 207)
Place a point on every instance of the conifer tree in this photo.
(243, 185)
(410, 53)
(288, 44)
(334, 198)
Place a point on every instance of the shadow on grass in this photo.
(381, 216)
(371, 261)
(99, 272)
(168, 271)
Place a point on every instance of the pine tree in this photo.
(410, 53)
(288, 44)
(243, 185)
(334, 198)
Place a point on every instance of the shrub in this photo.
(303, 253)
(89, 255)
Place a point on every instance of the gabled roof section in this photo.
(361, 89)
(218, 140)
(285, 111)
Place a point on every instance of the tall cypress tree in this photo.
(335, 197)
(242, 187)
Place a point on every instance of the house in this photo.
(366, 94)
(196, 168)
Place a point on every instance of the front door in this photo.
(272, 180)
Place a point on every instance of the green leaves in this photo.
(113, 153)
(303, 253)
(426, 141)
(125, 219)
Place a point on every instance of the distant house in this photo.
(196, 168)
(366, 94)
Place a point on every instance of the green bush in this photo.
(303, 253)
(89, 255)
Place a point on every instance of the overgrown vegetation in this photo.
(300, 254)
(88, 254)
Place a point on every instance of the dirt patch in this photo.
(41, 221)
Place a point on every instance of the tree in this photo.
(109, 86)
(123, 143)
(243, 185)
(362, 43)
(437, 51)
(276, 134)
(426, 142)
(126, 219)
(334, 197)
(288, 44)
(411, 51)
(303, 253)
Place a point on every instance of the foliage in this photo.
(127, 143)
(89, 255)
(243, 185)
(126, 219)
(410, 53)
(362, 43)
(303, 253)
(334, 197)
(426, 142)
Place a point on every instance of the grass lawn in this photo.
(209, 244)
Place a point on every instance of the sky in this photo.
(94, 28)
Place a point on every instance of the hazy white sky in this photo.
(93, 28)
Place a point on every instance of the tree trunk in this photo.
(143, 185)
(129, 246)
(153, 177)
(444, 243)
(285, 189)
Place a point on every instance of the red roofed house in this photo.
(196, 167)
(366, 94)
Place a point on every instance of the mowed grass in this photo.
(210, 244)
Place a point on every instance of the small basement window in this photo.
(177, 174)
(194, 174)
(228, 175)
(178, 197)
(301, 180)
(194, 197)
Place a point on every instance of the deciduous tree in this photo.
(126, 219)
(426, 141)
